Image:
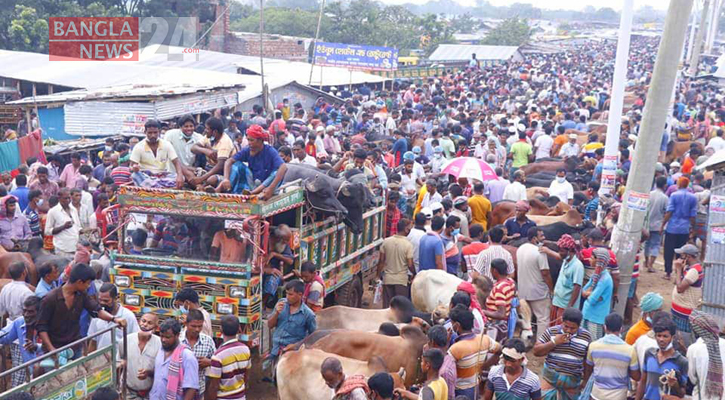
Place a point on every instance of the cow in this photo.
(556, 230)
(551, 165)
(401, 311)
(536, 191)
(501, 211)
(571, 218)
(40, 257)
(8, 258)
(397, 351)
(675, 150)
(346, 197)
(432, 288)
(299, 378)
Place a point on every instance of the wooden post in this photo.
(35, 107)
(50, 89)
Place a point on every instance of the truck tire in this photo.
(351, 293)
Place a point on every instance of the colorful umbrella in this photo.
(471, 168)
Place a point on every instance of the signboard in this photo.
(133, 123)
(717, 204)
(638, 201)
(356, 57)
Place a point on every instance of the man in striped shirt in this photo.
(498, 303)
(229, 364)
(512, 380)
(494, 251)
(470, 352)
(565, 348)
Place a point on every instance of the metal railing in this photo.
(59, 369)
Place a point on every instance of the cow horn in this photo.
(401, 373)
(345, 190)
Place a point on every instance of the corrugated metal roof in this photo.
(713, 297)
(462, 52)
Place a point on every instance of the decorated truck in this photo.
(181, 228)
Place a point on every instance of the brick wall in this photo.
(282, 49)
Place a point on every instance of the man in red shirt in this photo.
(498, 303)
(470, 251)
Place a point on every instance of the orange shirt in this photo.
(637, 330)
(560, 140)
(688, 165)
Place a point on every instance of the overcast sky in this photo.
(556, 4)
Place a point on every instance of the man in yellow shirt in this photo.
(217, 147)
(592, 145)
(480, 206)
(650, 304)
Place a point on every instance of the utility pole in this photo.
(614, 123)
(697, 50)
(693, 29)
(314, 44)
(627, 233)
(261, 52)
(712, 32)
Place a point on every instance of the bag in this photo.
(378, 296)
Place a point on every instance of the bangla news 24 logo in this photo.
(120, 38)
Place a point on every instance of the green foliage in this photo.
(26, 31)
(511, 32)
(281, 21)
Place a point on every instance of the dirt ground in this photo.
(648, 282)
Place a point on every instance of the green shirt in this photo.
(521, 152)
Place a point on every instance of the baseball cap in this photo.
(690, 249)
(460, 200)
(428, 212)
(408, 155)
(416, 149)
(438, 149)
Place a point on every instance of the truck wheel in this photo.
(351, 293)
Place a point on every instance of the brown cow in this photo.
(299, 377)
(397, 351)
(571, 218)
(4, 282)
(569, 164)
(502, 210)
(536, 191)
(678, 149)
(8, 258)
(341, 317)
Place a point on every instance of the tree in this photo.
(27, 32)
(511, 32)
(606, 14)
(280, 21)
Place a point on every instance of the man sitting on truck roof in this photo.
(263, 164)
(151, 159)
(217, 147)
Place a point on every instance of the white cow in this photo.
(299, 377)
(434, 288)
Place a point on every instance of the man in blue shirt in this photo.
(399, 148)
(263, 164)
(21, 192)
(48, 274)
(22, 331)
(292, 321)
(650, 387)
(679, 219)
(430, 250)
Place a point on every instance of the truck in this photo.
(148, 282)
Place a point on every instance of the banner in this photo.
(371, 58)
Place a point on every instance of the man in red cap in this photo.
(263, 164)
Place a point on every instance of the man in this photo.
(679, 220)
(512, 380)
(451, 251)
(279, 258)
(704, 357)
(99, 171)
(399, 148)
(598, 296)
(516, 191)
(172, 234)
(15, 292)
(599, 253)
(431, 196)
(663, 361)
(687, 293)
(292, 318)
(543, 144)
(480, 206)
(13, 224)
(229, 364)
(396, 261)
(152, 159)
(381, 386)
(570, 148)
(612, 362)
(48, 274)
(59, 324)
(228, 246)
(569, 283)
(21, 191)
(63, 224)
(200, 344)
(186, 300)
(435, 387)
(45, 185)
(590, 211)
(519, 225)
(108, 299)
(521, 153)
(414, 237)
(565, 348)
(143, 347)
(430, 253)
(499, 301)
(32, 213)
(494, 251)
(534, 278)
(438, 339)
(561, 188)
(460, 211)
(300, 156)
(650, 304)
(346, 387)
(263, 161)
(497, 187)
(392, 214)
(470, 351)
(71, 172)
(314, 295)
(176, 371)
(183, 140)
(85, 212)
(23, 330)
(216, 147)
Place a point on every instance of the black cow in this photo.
(555, 231)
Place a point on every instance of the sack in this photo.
(378, 296)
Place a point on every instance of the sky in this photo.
(555, 4)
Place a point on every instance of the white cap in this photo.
(436, 206)
(675, 164)
(320, 128)
(427, 212)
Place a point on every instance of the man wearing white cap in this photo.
(319, 142)
(571, 148)
(525, 384)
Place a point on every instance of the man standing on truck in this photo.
(228, 246)
(263, 162)
(279, 256)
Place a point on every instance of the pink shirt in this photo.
(69, 176)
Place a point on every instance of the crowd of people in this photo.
(400, 139)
